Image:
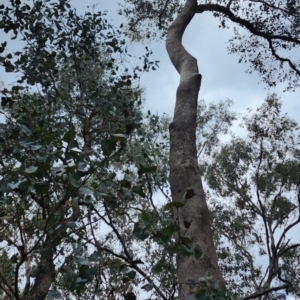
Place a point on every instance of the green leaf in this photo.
(197, 252)
(108, 146)
(74, 182)
(87, 272)
(17, 184)
(102, 260)
(35, 147)
(42, 187)
(131, 274)
(81, 166)
(12, 185)
(141, 232)
(117, 262)
(24, 185)
(81, 260)
(172, 204)
(54, 295)
(125, 183)
(3, 45)
(26, 143)
(143, 169)
(34, 272)
(170, 229)
(86, 191)
(120, 135)
(79, 279)
(69, 135)
(148, 287)
(31, 169)
(26, 130)
(165, 239)
(94, 256)
(146, 216)
(72, 224)
(159, 266)
(139, 191)
(73, 144)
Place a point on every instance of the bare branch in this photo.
(151, 195)
(258, 294)
(245, 23)
(248, 25)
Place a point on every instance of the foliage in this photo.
(157, 13)
(213, 120)
(258, 180)
(81, 166)
(72, 193)
(267, 40)
(266, 33)
(7, 271)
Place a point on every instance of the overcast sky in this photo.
(222, 76)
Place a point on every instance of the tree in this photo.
(257, 178)
(78, 177)
(270, 30)
(67, 123)
(269, 34)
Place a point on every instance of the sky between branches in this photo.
(222, 76)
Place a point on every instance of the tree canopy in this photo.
(258, 180)
(99, 201)
(266, 33)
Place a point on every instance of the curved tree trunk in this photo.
(184, 171)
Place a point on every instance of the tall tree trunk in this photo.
(184, 170)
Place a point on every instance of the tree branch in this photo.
(9, 286)
(273, 289)
(245, 23)
(248, 25)
(151, 195)
(127, 259)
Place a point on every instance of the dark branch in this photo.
(245, 23)
(273, 289)
(248, 25)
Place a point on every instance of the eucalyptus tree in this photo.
(270, 33)
(65, 126)
(258, 179)
(78, 176)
